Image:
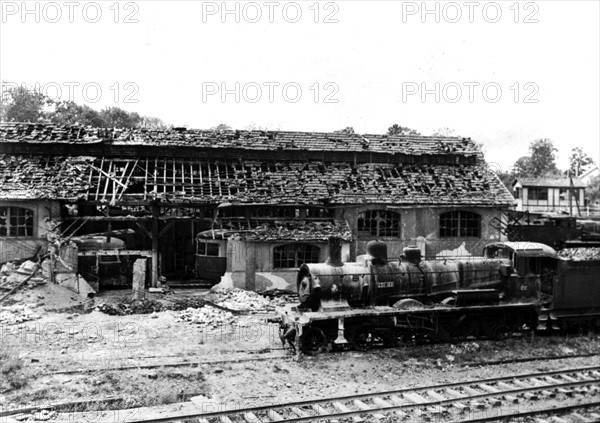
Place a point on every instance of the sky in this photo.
(504, 73)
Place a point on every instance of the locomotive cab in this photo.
(534, 268)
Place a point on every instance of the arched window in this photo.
(294, 255)
(380, 223)
(16, 221)
(460, 223)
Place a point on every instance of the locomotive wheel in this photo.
(313, 341)
(454, 330)
(362, 338)
(497, 327)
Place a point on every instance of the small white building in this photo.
(540, 195)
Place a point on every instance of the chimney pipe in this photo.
(335, 252)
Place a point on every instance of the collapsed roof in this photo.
(208, 167)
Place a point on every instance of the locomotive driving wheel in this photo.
(313, 341)
(497, 327)
(454, 330)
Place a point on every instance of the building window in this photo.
(460, 223)
(562, 194)
(16, 221)
(518, 193)
(537, 194)
(208, 249)
(294, 255)
(379, 223)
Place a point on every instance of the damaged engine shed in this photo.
(249, 206)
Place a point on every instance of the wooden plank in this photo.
(415, 398)
(165, 229)
(164, 176)
(319, 409)
(274, 416)
(361, 405)
(252, 418)
(108, 179)
(219, 178)
(144, 230)
(174, 177)
(99, 179)
(299, 412)
(89, 182)
(155, 191)
(146, 181)
(341, 408)
(193, 191)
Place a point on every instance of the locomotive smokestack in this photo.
(377, 250)
(335, 252)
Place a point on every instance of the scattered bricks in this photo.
(241, 300)
(207, 317)
(17, 313)
(580, 254)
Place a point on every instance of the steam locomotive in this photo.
(513, 286)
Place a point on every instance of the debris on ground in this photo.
(17, 313)
(580, 254)
(14, 278)
(208, 317)
(183, 303)
(148, 306)
(280, 297)
(125, 308)
(242, 300)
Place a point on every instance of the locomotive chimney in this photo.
(335, 251)
(377, 250)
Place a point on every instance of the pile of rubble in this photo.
(13, 277)
(206, 317)
(241, 300)
(148, 306)
(131, 307)
(18, 313)
(580, 254)
(184, 303)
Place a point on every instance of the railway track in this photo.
(576, 413)
(255, 358)
(519, 396)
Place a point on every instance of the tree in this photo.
(69, 113)
(21, 104)
(540, 162)
(119, 118)
(444, 132)
(396, 129)
(221, 127)
(149, 122)
(522, 166)
(578, 161)
(542, 158)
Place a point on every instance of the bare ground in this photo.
(66, 357)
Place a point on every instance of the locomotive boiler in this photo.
(375, 281)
